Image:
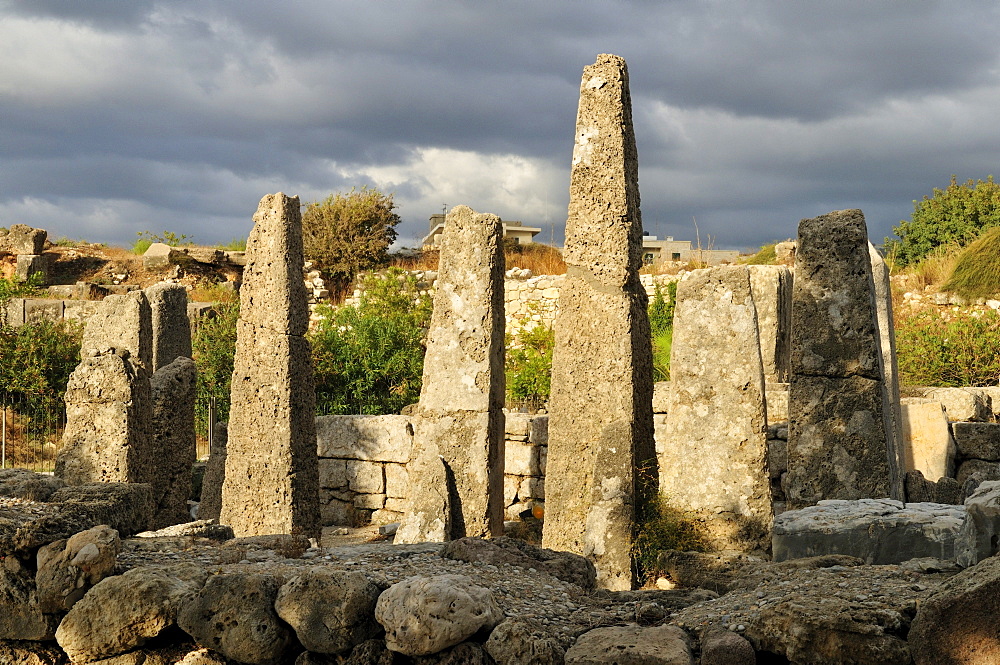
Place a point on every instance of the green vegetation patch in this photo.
(977, 271)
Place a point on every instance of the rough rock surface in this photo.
(67, 569)
(566, 566)
(122, 324)
(840, 444)
(24, 484)
(23, 239)
(171, 328)
(887, 345)
(771, 287)
(725, 647)
(598, 438)
(962, 403)
(978, 440)
(215, 474)
(273, 489)
(460, 413)
(173, 393)
(878, 531)
(21, 616)
(124, 612)
(330, 611)
(523, 642)
(425, 615)
(958, 624)
(979, 537)
(713, 359)
(234, 615)
(428, 518)
(631, 645)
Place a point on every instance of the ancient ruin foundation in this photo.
(601, 421)
(271, 482)
(457, 463)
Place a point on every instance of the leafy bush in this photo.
(528, 363)
(977, 270)
(369, 359)
(213, 344)
(661, 325)
(17, 288)
(147, 238)
(956, 215)
(37, 361)
(954, 349)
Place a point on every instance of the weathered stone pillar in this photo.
(108, 403)
(215, 472)
(771, 287)
(887, 346)
(456, 468)
(173, 439)
(601, 419)
(272, 473)
(714, 460)
(839, 440)
(171, 327)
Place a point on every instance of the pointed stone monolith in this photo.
(840, 442)
(601, 420)
(171, 327)
(459, 426)
(272, 472)
(713, 462)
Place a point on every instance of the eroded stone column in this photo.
(714, 460)
(887, 346)
(173, 439)
(601, 420)
(171, 327)
(272, 474)
(771, 287)
(108, 403)
(839, 440)
(458, 457)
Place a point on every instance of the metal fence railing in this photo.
(31, 430)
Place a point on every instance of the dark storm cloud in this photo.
(120, 117)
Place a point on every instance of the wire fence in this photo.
(31, 430)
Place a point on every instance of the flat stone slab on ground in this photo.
(878, 531)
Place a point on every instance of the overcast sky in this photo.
(124, 116)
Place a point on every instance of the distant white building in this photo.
(657, 251)
(522, 235)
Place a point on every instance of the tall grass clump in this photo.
(948, 349)
(539, 258)
(766, 256)
(976, 273)
(661, 327)
(935, 268)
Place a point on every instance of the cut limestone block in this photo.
(928, 446)
(978, 440)
(980, 532)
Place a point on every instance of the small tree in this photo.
(347, 233)
(956, 215)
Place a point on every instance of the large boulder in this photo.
(980, 533)
(518, 641)
(631, 645)
(424, 615)
(24, 484)
(67, 569)
(21, 617)
(124, 612)
(958, 624)
(23, 239)
(331, 611)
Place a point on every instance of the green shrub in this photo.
(661, 354)
(213, 344)
(17, 288)
(235, 245)
(960, 350)
(661, 326)
(37, 361)
(764, 257)
(663, 527)
(977, 270)
(369, 359)
(528, 363)
(147, 238)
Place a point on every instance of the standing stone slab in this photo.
(171, 328)
(173, 393)
(272, 474)
(122, 322)
(460, 416)
(928, 446)
(601, 419)
(714, 463)
(771, 287)
(887, 344)
(215, 472)
(840, 443)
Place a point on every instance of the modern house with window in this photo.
(657, 251)
(522, 235)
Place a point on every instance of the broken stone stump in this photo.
(887, 343)
(122, 323)
(23, 239)
(771, 287)
(714, 361)
(979, 537)
(840, 442)
(601, 423)
(460, 414)
(171, 328)
(271, 480)
(32, 265)
(928, 446)
(210, 504)
(173, 394)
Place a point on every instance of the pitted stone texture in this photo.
(879, 531)
(980, 533)
(978, 440)
(771, 287)
(713, 461)
(31, 653)
(121, 323)
(25, 484)
(600, 412)
(108, 413)
(423, 615)
(215, 473)
(460, 414)
(724, 647)
(173, 391)
(234, 615)
(373, 438)
(928, 446)
(21, 617)
(958, 624)
(960, 404)
(171, 327)
(840, 443)
(33, 265)
(272, 488)
(631, 645)
(67, 569)
(330, 611)
(519, 641)
(124, 612)
(23, 239)
(428, 512)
